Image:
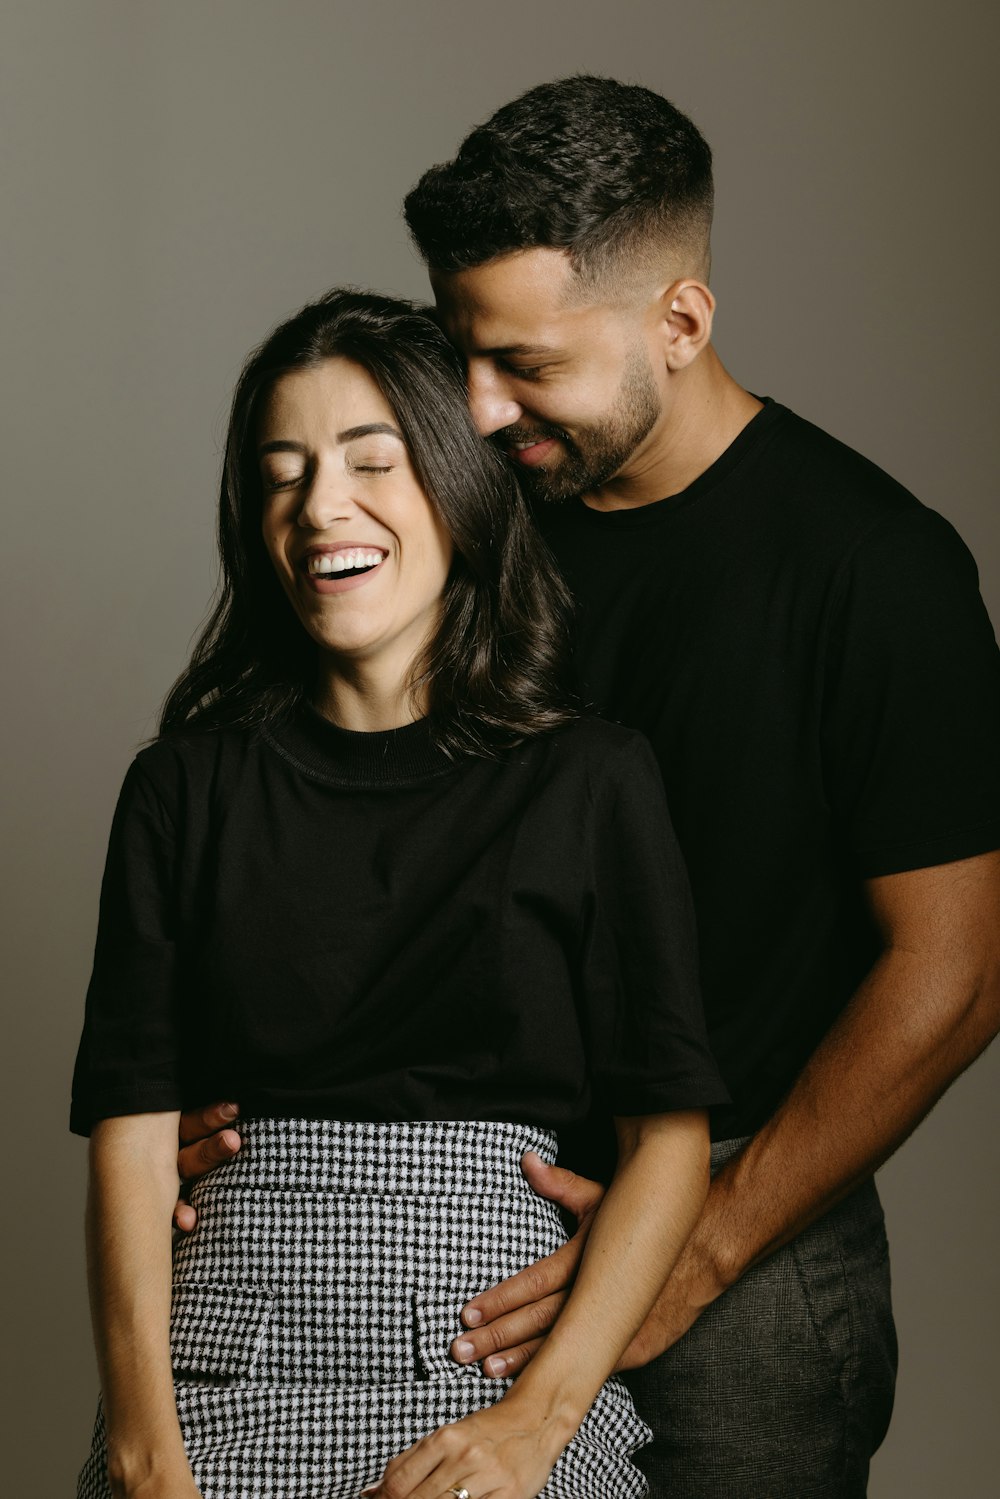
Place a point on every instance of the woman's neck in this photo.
(358, 700)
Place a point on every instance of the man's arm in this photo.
(926, 1010)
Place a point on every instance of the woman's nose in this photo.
(326, 500)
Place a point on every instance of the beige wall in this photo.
(177, 175)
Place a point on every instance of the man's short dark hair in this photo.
(608, 171)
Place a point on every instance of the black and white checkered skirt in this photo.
(315, 1303)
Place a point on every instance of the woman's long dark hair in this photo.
(496, 670)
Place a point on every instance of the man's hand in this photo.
(508, 1323)
(205, 1143)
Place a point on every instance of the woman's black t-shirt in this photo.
(325, 924)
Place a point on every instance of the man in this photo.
(805, 646)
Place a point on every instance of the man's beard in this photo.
(594, 454)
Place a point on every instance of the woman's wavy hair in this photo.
(496, 672)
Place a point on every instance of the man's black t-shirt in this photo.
(805, 646)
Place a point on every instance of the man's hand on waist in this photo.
(205, 1142)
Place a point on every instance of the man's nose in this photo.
(491, 405)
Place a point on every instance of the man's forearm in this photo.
(133, 1187)
(909, 1031)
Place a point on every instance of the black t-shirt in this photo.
(326, 924)
(806, 648)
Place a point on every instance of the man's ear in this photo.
(686, 311)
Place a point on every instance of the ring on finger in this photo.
(459, 1492)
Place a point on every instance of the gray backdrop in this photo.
(179, 175)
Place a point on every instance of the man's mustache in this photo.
(509, 437)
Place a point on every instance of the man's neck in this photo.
(706, 416)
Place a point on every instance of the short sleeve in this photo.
(128, 1058)
(643, 1022)
(911, 715)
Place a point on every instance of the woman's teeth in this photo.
(355, 560)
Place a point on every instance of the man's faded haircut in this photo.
(608, 171)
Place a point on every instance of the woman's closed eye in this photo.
(273, 481)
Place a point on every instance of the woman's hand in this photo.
(503, 1451)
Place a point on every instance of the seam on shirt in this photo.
(157, 794)
(317, 775)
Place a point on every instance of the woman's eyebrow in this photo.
(366, 429)
(280, 445)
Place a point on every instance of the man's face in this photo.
(567, 390)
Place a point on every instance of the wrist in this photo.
(135, 1471)
(552, 1396)
(550, 1412)
(714, 1258)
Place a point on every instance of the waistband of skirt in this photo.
(382, 1158)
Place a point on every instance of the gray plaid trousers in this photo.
(314, 1305)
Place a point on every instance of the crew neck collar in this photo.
(656, 511)
(385, 757)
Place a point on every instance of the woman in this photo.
(419, 917)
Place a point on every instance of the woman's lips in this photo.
(537, 453)
(330, 583)
(335, 582)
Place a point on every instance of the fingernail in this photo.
(229, 1110)
(472, 1316)
(231, 1140)
(495, 1366)
(464, 1351)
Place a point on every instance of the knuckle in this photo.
(497, 1300)
(541, 1315)
(492, 1339)
(536, 1282)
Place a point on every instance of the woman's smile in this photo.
(345, 565)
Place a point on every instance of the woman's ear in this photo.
(687, 309)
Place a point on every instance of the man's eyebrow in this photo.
(522, 351)
(366, 429)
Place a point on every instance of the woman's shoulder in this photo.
(186, 758)
(606, 752)
(590, 735)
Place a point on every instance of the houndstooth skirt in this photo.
(315, 1303)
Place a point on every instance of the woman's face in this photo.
(357, 545)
